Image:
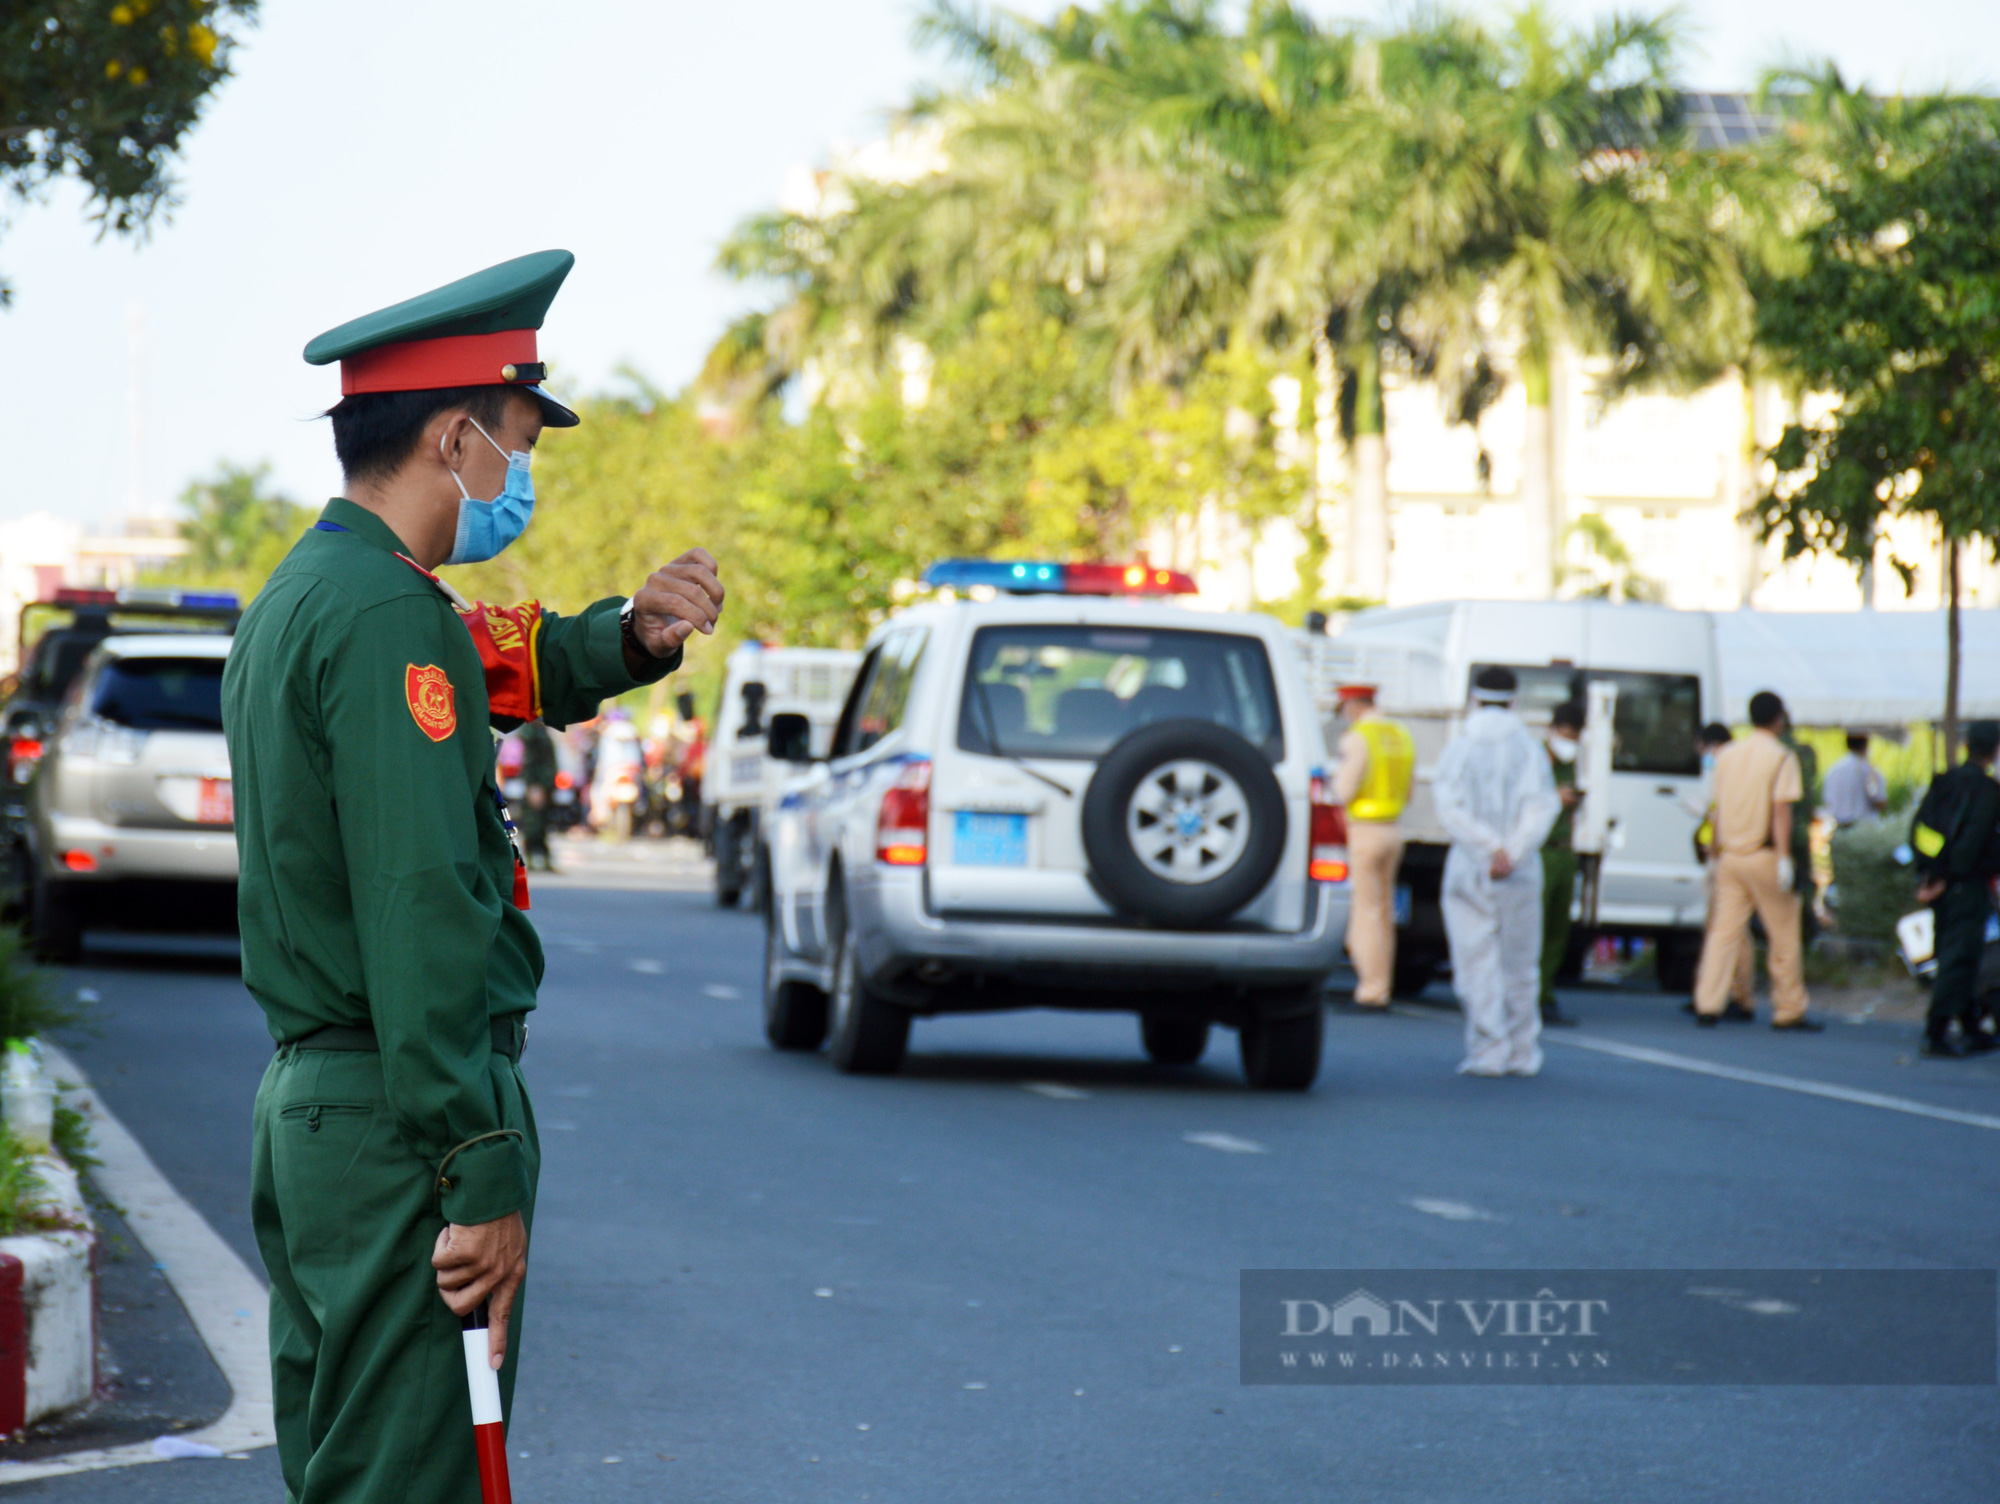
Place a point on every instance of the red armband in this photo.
(506, 638)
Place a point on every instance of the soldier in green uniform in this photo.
(1559, 857)
(395, 1156)
(1802, 823)
(538, 779)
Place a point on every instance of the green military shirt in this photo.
(1563, 831)
(376, 875)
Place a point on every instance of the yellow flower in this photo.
(113, 68)
(137, 75)
(123, 15)
(201, 42)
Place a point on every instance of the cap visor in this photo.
(554, 414)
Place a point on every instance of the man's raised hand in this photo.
(677, 601)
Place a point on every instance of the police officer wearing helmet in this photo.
(1377, 758)
(382, 899)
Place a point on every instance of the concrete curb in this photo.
(227, 1303)
(48, 1308)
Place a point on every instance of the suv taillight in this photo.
(23, 752)
(1327, 862)
(901, 830)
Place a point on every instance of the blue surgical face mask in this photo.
(487, 527)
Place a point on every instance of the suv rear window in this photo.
(1076, 691)
(160, 694)
(1654, 726)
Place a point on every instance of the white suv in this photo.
(1060, 800)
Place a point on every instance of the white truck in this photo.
(760, 682)
(1665, 668)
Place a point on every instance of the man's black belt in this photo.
(510, 1037)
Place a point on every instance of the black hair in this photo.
(1714, 734)
(1569, 714)
(1982, 739)
(1766, 710)
(375, 432)
(1497, 681)
(1857, 741)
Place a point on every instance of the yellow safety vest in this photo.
(1392, 758)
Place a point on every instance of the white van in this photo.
(1664, 663)
(740, 781)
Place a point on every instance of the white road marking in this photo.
(1805, 1086)
(1228, 1143)
(1800, 1084)
(647, 966)
(226, 1302)
(1056, 1090)
(717, 990)
(1451, 1211)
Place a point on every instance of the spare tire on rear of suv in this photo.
(1183, 824)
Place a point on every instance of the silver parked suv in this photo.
(1060, 799)
(131, 815)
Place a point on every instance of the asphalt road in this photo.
(1011, 1274)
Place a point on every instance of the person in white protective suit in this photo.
(1497, 800)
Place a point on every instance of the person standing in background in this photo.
(1743, 981)
(1377, 759)
(1496, 798)
(1758, 790)
(1559, 856)
(1855, 788)
(1956, 833)
(1807, 810)
(538, 797)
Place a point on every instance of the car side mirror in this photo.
(789, 738)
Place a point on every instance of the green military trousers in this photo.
(1558, 895)
(367, 1362)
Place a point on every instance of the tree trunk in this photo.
(1327, 457)
(1368, 527)
(1953, 644)
(1540, 536)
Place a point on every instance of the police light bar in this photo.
(139, 597)
(1058, 579)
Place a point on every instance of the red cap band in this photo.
(422, 364)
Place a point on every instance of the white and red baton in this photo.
(489, 1428)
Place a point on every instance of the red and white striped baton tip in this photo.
(489, 1429)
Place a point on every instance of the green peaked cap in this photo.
(513, 295)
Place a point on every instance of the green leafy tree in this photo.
(236, 529)
(1894, 312)
(105, 93)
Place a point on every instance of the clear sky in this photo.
(370, 149)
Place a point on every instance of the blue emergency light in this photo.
(1035, 578)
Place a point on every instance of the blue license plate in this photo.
(989, 840)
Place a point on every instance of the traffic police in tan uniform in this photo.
(1377, 759)
(382, 900)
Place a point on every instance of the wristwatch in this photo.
(629, 631)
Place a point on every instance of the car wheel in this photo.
(794, 1012)
(57, 920)
(1282, 1054)
(1174, 1041)
(869, 1034)
(728, 853)
(1412, 974)
(1183, 823)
